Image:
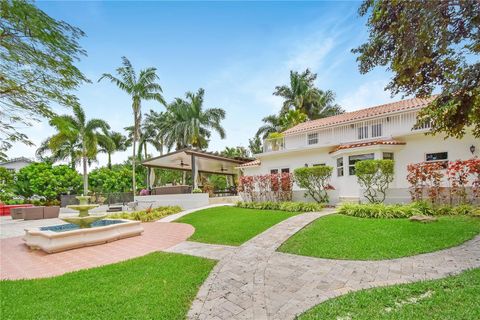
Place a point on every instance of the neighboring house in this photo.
(382, 132)
(16, 164)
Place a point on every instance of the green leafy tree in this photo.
(105, 180)
(302, 95)
(375, 177)
(291, 118)
(188, 125)
(429, 45)
(235, 152)
(255, 145)
(67, 151)
(111, 142)
(37, 56)
(43, 179)
(85, 132)
(315, 180)
(7, 178)
(140, 87)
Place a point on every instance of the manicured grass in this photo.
(449, 298)
(156, 286)
(344, 237)
(231, 225)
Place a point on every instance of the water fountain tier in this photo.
(84, 219)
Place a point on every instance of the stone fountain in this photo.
(84, 219)
(82, 230)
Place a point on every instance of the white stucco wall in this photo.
(185, 201)
(417, 145)
(16, 165)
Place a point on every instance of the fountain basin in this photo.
(65, 237)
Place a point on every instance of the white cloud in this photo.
(366, 95)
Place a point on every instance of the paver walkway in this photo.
(19, 262)
(255, 282)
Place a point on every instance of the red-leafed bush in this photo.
(268, 187)
(425, 179)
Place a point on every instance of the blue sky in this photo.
(237, 51)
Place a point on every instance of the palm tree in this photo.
(69, 151)
(186, 124)
(302, 95)
(140, 87)
(272, 124)
(111, 142)
(86, 133)
(235, 152)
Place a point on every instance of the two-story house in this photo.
(382, 132)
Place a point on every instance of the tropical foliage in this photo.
(147, 215)
(274, 187)
(302, 95)
(375, 176)
(116, 179)
(140, 87)
(282, 206)
(187, 124)
(37, 69)
(316, 181)
(84, 132)
(45, 180)
(111, 142)
(235, 152)
(429, 45)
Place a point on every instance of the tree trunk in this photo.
(85, 176)
(148, 168)
(133, 161)
(109, 160)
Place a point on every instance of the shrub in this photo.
(268, 187)
(315, 180)
(146, 215)
(380, 210)
(197, 190)
(375, 176)
(282, 206)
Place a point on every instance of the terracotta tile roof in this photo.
(409, 104)
(253, 163)
(368, 143)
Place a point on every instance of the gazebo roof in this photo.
(207, 162)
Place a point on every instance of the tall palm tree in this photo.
(302, 95)
(140, 87)
(188, 125)
(111, 142)
(272, 124)
(77, 128)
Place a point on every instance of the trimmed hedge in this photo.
(146, 215)
(282, 206)
(380, 210)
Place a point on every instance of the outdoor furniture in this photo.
(51, 212)
(33, 213)
(180, 189)
(6, 208)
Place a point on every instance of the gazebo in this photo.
(197, 162)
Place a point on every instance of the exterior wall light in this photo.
(472, 149)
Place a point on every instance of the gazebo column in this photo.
(194, 173)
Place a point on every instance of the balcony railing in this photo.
(276, 144)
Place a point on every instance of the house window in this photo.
(282, 170)
(285, 170)
(340, 167)
(388, 156)
(377, 130)
(363, 133)
(438, 156)
(354, 159)
(274, 171)
(312, 138)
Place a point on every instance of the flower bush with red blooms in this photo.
(426, 179)
(268, 187)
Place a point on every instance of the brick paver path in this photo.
(19, 262)
(254, 281)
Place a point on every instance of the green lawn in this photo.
(231, 225)
(156, 286)
(344, 237)
(449, 298)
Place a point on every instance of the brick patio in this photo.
(19, 262)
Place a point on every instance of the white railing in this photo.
(393, 125)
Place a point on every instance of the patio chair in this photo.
(51, 212)
(33, 213)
